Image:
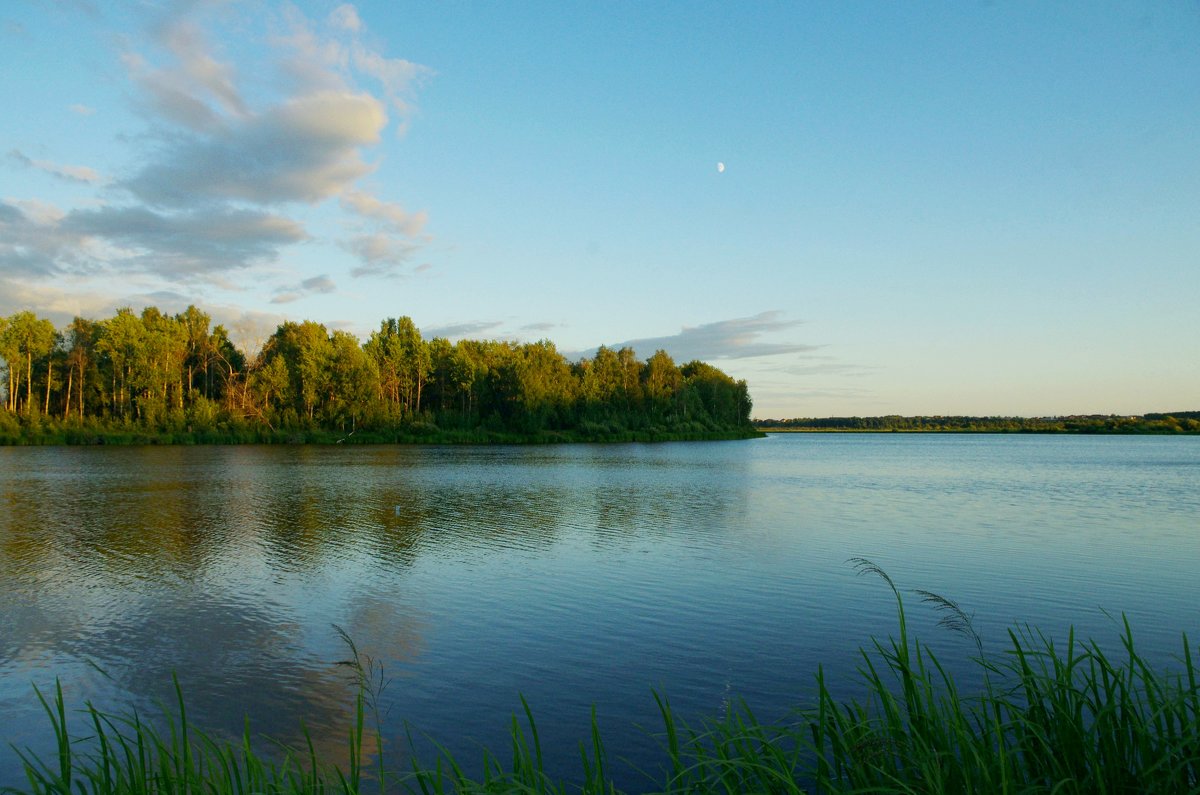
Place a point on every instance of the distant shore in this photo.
(1173, 423)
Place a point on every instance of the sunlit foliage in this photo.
(159, 377)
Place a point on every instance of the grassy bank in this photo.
(416, 433)
(1052, 718)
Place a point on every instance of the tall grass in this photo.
(1051, 718)
(126, 754)
(1069, 718)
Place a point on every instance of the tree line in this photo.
(156, 373)
(1176, 422)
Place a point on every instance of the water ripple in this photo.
(571, 574)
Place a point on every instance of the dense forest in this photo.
(156, 377)
(1176, 422)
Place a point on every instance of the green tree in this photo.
(197, 346)
(416, 363)
(631, 379)
(403, 360)
(662, 382)
(161, 369)
(81, 362)
(168, 372)
(270, 391)
(602, 378)
(8, 352)
(441, 360)
(229, 364)
(468, 368)
(26, 338)
(306, 351)
(384, 349)
(120, 346)
(353, 382)
(724, 401)
(545, 387)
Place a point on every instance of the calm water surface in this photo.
(575, 575)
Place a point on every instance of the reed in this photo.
(1051, 718)
(1068, 718)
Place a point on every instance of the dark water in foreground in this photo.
(575, 575)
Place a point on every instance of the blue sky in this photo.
(926, 208)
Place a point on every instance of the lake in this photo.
(573, 575)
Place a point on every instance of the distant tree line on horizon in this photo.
(1174, 422)
(178, 374)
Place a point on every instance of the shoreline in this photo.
(990, 431)
(84, 437)
(1157, 423)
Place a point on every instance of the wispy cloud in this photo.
(379, 253)
(32, 243)
(82, 110)
(738, 338)
(393, 216)
(345, 17)
(40, 240)
(826, 365)
(186, 244)
(461, 330)
(319, 62)
(387, 237)
(70, 173)
(194, 79)
(317, 284)
(52, 301)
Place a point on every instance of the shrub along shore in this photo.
(1064, 717)
(54, 433)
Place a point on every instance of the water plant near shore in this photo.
(1051, 718)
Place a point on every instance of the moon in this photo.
(720, 168)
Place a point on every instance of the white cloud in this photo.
(317, 284)
(391, 215)
(303, 150)
(196, 70)
(51, 300)
(397, 76)
(69, 173)
(380, 253)
(188, 244)
(248, 329)
(39, 212)
(317, 63)
(32, 244)
(738, 338)
(228, 154)
(461, 330)
(345, 17)
(389, 237)
(309, 62)
(827, 365)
